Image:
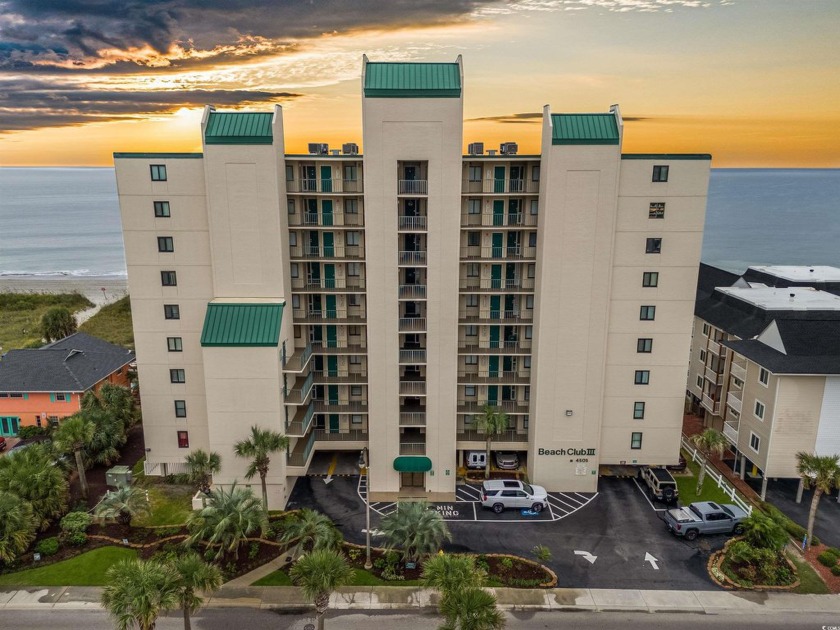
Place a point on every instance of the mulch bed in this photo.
(831, 580)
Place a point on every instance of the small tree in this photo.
(763, 532)
(227, 520)
(415, 530)
(32, 475)
(471, 609)
(708, 442)
(57, 323)
(203, 466)
(194, 575)
(492, 422)
(821, 472)
(72, 436)
(123, 505)
(312, 530)
(449, 573)
(258, 448)
(17, 526)
(318, 574)
(139, 591)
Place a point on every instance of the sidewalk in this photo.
(411, 598)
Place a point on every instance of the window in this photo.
(171, 311)
(472, 300)
(763, 377)
(354, 269)
(532, 239)
(290, 206)
(636, 440)
(527, 363)
(642, 377)
(535, 207)
(290, 173)
(656, 210)
(471, 359)
(700, 382)
(161, 208)
(702, 356)
(755, 442)
(650, 279)
(355, 359)
(653, 246)
(529, 302)
(294, 270)
(706, 330)
(475, 173)
(168, 279)
(354, 331)
(353, 299)
(356, 419)
(296, 301)
(535, 173)
(473, 270)
(158, 172)
(469, 390)
(644, 345)
(647, 313)
(638, 411)
(183, 439)
(293, 239)
(166, 244)
(472, 331)
(60, 397)
(473, 239)
(660, 173)
(174, 344)
(352, 238)
(351, 206)
(474, 206)
(529, 332)
(351, 172)
(759, 410)
(532, 271)
(177, 376)
(180, 408)
(355, 390)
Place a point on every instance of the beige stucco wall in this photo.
(795, 421)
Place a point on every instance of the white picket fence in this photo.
(720, 480)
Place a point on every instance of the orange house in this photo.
(42, 386)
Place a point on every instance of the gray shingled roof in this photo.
(73, 364)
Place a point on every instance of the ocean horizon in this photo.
(65, 221)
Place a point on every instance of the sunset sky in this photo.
(753, 82)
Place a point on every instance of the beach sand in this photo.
(99, 290)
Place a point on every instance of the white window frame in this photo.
(699, 382)
(702, 356)
(766, 376)
(756, 409)
(758, 442)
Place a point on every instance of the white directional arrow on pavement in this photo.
(587, 556)
(373, 532)
(328, 479)
(652, 560)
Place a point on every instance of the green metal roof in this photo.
(414, 463)
(584, 129)
(242, 325)
(412, 80)
(666, 156)
(238, 128)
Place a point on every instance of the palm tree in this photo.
(139, 591)
(261, 444)
(72, 436)
(17, 526)
(710, 441)
(32, 475)
(194, 575)
(119, 403)
(449, 573)
(123, 504)
(312, 530)
(202, 466)
(415, 529)
(763, 532)
(492, 422)
(823, 473)
(318, 574)
(57, 323)
(227, 520)
(109, 434)
(471, 609)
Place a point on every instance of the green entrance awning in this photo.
(242, 325)
(412, 464)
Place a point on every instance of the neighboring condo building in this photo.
(765, 364)
(382, 300)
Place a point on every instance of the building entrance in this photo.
(412, 480)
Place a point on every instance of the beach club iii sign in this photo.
(575, 452)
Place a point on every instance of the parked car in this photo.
(705, 517)
(507, 460)
(509, 493)
(680, 466)
(2, 443)
(661, 484)
(476, 459)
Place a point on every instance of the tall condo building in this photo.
(383, 300)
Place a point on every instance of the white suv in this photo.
(509, 493)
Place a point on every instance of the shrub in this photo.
(835, 551)
(354, 554)
(541, 553)
(524, 582)
(392, 558)
(27, 432)
(253, 550)
(77, 539)
(763, 532)
(75, 523)
(181, 479)
(507, 563)
(379, 563)
(166, 532)
(796, 531)
(390, 573)
(835, 570)
(48, 546)
(827, 559)
(481, 563)
(209, 554)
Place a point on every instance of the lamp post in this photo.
(363, 460)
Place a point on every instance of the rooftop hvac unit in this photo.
(491, 152)
(476, 148)
(350, 148)
(319, 148)
(118, 476)
(508, 148)
(335, 152)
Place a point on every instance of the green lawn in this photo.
(687, 484)
(20, 315)
(112, 323)
(170, 505)
(361, 578)
(278, 578)
(87, 569)
(809, 580)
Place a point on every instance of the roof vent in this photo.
(335, 151)
(508, 148)
(476, 148)
(792, 295)
(318, 148)
(491, 151)
(350, 148)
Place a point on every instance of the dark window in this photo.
(653, 246)
(183, 439)
(473, 239)
(644, 345)
(174, 344)
(177, 376)
(168, 279)
(161, 208)
(167, 244)
(158, 172)
(638, 411)
(657, 210)
(650, 279)
(660, 173)
(642, 377)
(171, 311)
(647, 313)
(636, 440)
(180, 408)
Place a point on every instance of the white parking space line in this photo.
(558, 499)
(550, 511)
(559, 508)
(650, 503)
(585, 498)
(573, 500)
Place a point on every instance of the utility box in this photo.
(118, 476)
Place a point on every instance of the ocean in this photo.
(66, 221)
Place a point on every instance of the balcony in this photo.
(413, 419)
(508, 406)
(412, 388)
(711, 405)
(411, 258)
(495, 284)
(514, 252)
(713, 376)
(468, 317)
(339, 377)
(486, 377)
(354, 406)
(336, 185)
(412, 448)
(412, 324)
(298, 360)
(495, 347)
(501, 186)
(730, 431)
(490, 219)
(349, 284)
(329, 316)
(339, 346)
(734, 401)
(714, 347)
(412, 291)
(299, 394)
(412, 187)
(412, 224)
(738, 371)
(412, 357)
(511, 435)
(302, 421)
(354, 435)
(326, 251)
(299, 455)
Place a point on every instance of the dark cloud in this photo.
(528, 117)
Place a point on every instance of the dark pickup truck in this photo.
(705, 517)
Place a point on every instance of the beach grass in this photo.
(20, 315)
(169, 505)
(112, 323)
